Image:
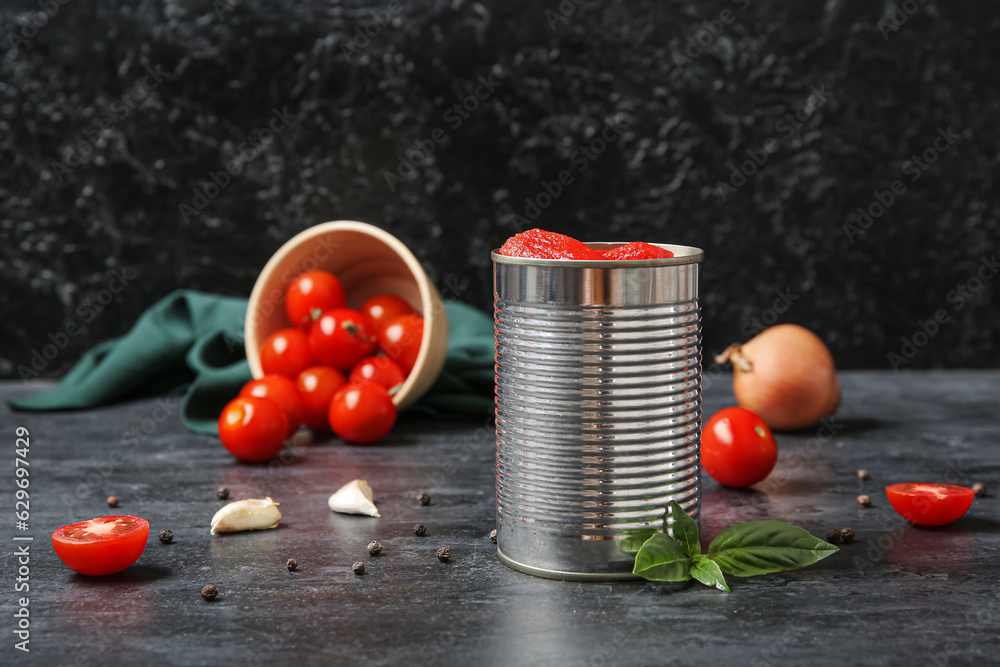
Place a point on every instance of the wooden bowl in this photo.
(368, 261)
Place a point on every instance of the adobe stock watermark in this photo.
(364, 33)
(79, 151)
(915, 167)
(786, 127)
(422, 151)
(963, 293)
(896, 16)
(86, 312)
(549, 191)
(34, 22)
(248, 150)
(782, 302)
(698, 42)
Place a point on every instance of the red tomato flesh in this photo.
(737, 448)
(541, 244)
(637, 250)
(930, 504)
(104, 545)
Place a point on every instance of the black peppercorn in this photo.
(865, 501)
(424, 499)
(419, 530)
(292, 565)
(166, 536)
(863, 474)
(210, 592)
(833, 536)
(847, 535)
(359, 568)
(493, 536)
(112, 501)
(980, 489)
(374, 548)
(443, 554)
(222, 494)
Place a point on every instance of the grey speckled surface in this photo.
(884, 95)
(900, 595)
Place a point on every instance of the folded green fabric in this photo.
(194, 341)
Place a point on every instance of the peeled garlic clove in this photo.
(252, 514)
(354, 498)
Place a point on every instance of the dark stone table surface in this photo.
(899, 595)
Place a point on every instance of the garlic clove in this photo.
(251, 514)
(354, 498)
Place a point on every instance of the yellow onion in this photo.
(786, 375)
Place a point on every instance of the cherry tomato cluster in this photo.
(335, 369)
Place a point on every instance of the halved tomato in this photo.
(930, 504)
(104, 545)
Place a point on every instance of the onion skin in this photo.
(786, 375)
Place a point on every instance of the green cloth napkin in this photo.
(194, 341)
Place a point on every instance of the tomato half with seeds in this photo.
(310, 295)
(105, 545)
(737, 448)
(930, 504)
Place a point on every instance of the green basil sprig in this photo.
(742, 550)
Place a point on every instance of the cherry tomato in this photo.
(286, 352)
(310, 295)
(401, 338)
(253, 428)
(340, 338)
(930, 504)
(282, 391)
(317, 386)
(362, 413)
(104, 545)
(384, 307)
(737, 448)
(380, 370)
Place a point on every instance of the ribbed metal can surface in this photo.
(598, 406)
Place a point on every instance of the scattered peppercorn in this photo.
(374, 548)
(292, 565)
(980, 489)
(210, 592)
(493, 536)
(444, 554)
(847, 535)
(166, 536)
(863, 474)
(864, 501)
(424, 499)
(419, 530)
(222, 494)
(833, 536)
(358, 567)
(112, 501)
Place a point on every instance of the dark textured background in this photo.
(560, 81)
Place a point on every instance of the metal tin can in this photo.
(598, 406)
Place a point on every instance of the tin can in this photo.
(598, 406)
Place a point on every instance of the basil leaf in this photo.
(707, 571)
(760, 547)
(633, 539)
(684, 529)
(660, 559)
